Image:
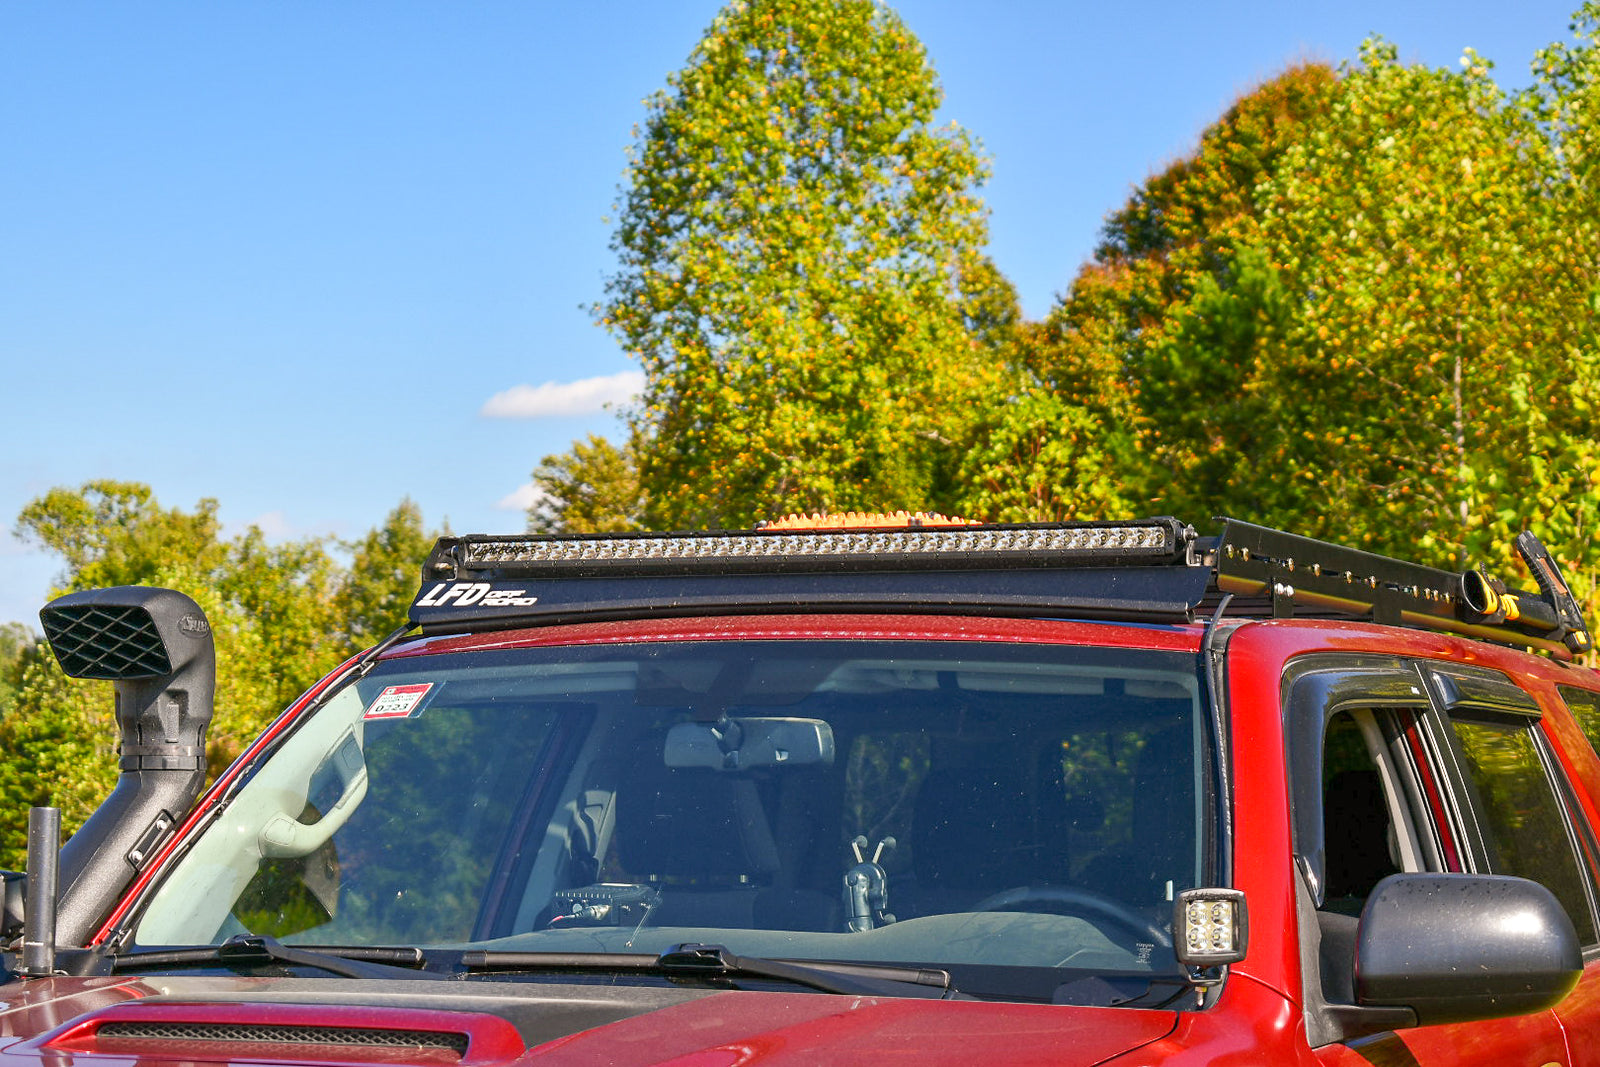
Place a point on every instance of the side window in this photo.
(1585, 707)
(1375, 797)
(1361, 841)
(1364, 800)
(1522, 822)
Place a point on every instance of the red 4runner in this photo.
(917, 790)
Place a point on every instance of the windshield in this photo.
(932, 803)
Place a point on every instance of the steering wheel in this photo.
(1084, 902)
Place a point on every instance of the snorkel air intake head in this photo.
(155, 645)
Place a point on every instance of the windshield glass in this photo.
(933, 803)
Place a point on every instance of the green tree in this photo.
(800, 272)
(593, 487)
(116, 533)
(1043, 458)
(1565, 100)
(1146, 361)
(59, 745)
(1565, 103)
(385, 572)
(1441, 314)
(1366, 309)
(18, 647)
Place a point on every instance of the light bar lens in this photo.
(1152, 540)
(1211, 927)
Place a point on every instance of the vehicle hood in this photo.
(150, 1020)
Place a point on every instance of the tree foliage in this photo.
(18, 647)
(375, 592)
(1439, 304)
(1147, 356)
(116, 533)
(593, 487)
(1364, 309)
(800, 271)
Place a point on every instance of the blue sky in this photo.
(297, 255)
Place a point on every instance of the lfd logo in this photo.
(466, 594)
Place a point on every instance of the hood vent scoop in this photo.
(186, 1038)
(289, 1033)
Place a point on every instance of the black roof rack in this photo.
(1150, 570)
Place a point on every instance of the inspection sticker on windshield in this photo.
(398, 702)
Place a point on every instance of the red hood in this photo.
(741, 1028)
(63, 1021)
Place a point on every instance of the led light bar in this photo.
(1085, 541)
(1210, 927)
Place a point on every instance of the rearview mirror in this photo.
(742, 744)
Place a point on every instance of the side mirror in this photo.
(1456, 947)
(741, 744)
(13, 884)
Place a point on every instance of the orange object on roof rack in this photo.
(864, 520)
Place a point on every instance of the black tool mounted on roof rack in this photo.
(1150, 570)
(1554, 612)
(1301, 576)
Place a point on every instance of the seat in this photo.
(1357, 843)
(1356, 835)
(703, 839)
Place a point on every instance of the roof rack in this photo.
(1149, 570)
(1301, 576)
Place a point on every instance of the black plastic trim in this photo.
(1459, 687)
(1326, 1022)
(161, 724)
(1219, 806)
(1316, 687)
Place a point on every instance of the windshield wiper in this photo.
(715, 961)
(247, 952)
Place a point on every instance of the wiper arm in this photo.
(860, 979)
(350, 962)
(715, 961)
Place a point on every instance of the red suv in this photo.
(1072, 793)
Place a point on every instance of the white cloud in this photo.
(582, 397)
(274, 524)
(277, 527)
(522, 498)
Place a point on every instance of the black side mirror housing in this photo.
(1458, 947)
(13, 885)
